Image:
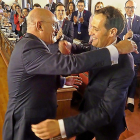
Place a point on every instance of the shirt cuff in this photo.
(62, 37)
(62, 128)
(114, 54)
(54, 39)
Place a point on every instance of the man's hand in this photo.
(46, 129)
(126, 46)
(65, 47)
(75, 19)
(129, 34)
(73, 81)
(59, 34)
(81, 19)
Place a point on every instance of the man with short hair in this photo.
(52, 6)
(25, 13)
(65, 28)
(34, 74)
(132, 31)
(102, 108)
(80, 21)
(36, 5)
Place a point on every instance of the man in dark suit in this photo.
(102, 108)
(132, 31)
(33, 74)
(80, 21)
(25, 12)
(2, 3)
(65, 28)
(52, 6)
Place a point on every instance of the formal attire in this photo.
(52, 7)
(135, 27)
(12, 20)
(33, 79)
(83, 34)
(24, 26)
(102, 107)
(68, 34)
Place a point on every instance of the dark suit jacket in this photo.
(136, 36)
(33, 79)
(53, 7)
(24, 27)
(68, 32)
(104, 101)
(84, 27)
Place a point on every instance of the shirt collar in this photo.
(44, 44)
(130, 17)
(59, 20)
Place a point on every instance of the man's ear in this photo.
(39, 26)
(113, 32)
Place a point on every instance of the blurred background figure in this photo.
(28, 6)
(98, 6)
(2, 3)
(8, 8)
(17, 17)
(1, 10)
(52, 6)
(70, 10)
(46, 7)
(12, 17)
(16, 2)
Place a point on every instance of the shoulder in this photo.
(137, 17)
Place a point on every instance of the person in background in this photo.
(23, 24)
(16, 2)
(80, 21)
(8, 9)
(28, 6)
(2, 3)
(132, 31)
(97, 7)
(52, 6)
(70, 10)
(102, 108)
(46, 7)
(1, 10)
(36, 5)
(17, 17)
(65, 28)
(13, 12)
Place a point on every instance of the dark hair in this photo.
(68, 11)
(36, 5)
(81, 1)
(114, 18)
(97, 4)
(47, 5)
(26, 9)
(15, 9)
(59, 4)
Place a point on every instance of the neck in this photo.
(112, 40)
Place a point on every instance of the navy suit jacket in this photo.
(53, 7)
(136, 36)
(84, 25)
(102, 108)
(68, 31)
(33, 79)
(24, 27)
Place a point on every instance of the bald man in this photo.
(33, 74)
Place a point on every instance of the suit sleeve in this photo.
(37, 60)
(86, 23)
(70, 35)
(95, 118)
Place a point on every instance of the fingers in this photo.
(134, 45)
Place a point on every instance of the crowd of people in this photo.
(36, 67)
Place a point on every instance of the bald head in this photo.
(40, 23)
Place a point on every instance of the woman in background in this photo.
(70, 10)
(17, 16)
(98, 6)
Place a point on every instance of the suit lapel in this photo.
(135, 23)
(64, 25)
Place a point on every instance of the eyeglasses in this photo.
(61, 10)
(131, 8)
